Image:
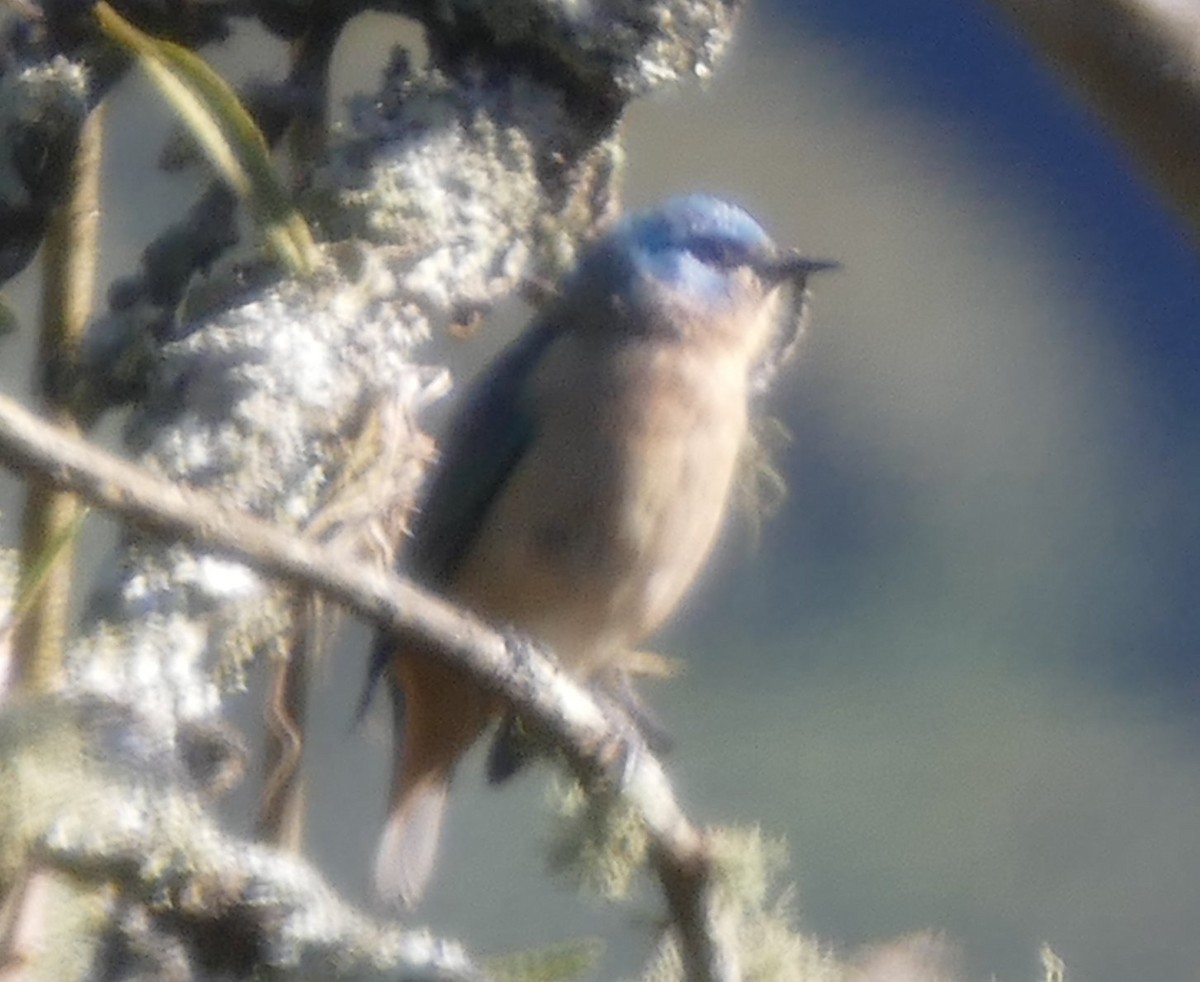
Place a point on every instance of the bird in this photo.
(583, 481)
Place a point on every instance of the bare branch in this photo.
(1138, 63)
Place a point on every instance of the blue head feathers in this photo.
(693, 244)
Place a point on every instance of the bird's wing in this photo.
(486, 440)
(438, 716)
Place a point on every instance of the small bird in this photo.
(585, 478)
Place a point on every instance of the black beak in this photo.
(790, 265)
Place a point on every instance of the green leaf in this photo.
(222, 128)
(8, 320)
(35, 576)
(553, 963)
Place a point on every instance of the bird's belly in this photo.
(605, 525)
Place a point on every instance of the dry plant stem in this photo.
(281, 811)
(69, 275)
(282, 805)
(598, 749)
(1138, 64)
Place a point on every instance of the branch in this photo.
(603, 753)
(107, 824)
(68, 279)
(1138, 63)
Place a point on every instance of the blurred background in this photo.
(958, 669)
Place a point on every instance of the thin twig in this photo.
(600, 751)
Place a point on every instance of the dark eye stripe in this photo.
(716, 252)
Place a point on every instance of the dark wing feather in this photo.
(486, 438)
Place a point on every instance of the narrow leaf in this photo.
(8, 320)
(561, 962)
(222, 128)
(32, 582)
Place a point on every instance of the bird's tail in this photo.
(439, 714)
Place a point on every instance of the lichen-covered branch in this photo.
(110, 805)
(603, 752)
(455, 184)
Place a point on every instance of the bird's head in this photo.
(693, 260)
(708, 249)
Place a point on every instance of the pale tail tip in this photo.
(408, 847)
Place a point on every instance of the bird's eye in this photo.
(715, 252)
